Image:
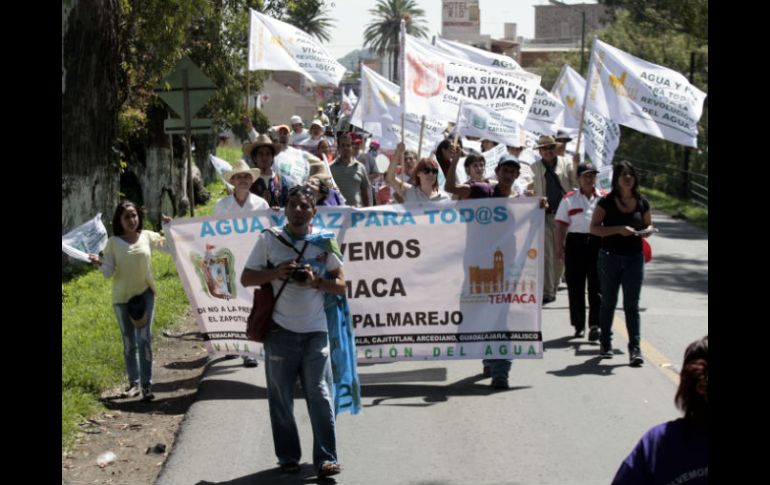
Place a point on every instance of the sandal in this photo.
(290, 468)
(329, 469)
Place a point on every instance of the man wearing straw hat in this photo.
(270, 186)
(241, 200)
(552, 178)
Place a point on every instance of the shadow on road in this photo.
(274, 476)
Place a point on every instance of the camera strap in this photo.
(297, 260)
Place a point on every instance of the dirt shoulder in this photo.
(141, 435)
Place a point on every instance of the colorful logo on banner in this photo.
(215, 272)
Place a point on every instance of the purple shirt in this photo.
(674, 452)
(332, 199)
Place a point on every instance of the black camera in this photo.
(299, 275)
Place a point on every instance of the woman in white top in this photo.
(424, 186)
(127, 257)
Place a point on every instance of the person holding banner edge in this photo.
(241, 177)
(297, 344)
(127, 258)
(424, 187)
(507, 171)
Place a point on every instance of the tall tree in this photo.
(92, 94)
(312, 17)
(382, 34)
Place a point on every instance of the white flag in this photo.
(644, 96)
(601, 136)
(278, 46)
(545, 113)
(221, 166)
(474, 54)
(85, 239)
(352, 97)
(480, 121)
(379, 112)
(435, 82)
(346, 107)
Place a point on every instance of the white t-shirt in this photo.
(228, 204)
(414, 194)
(299, 309)
(297, 138)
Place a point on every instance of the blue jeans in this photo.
(498, 367)
(616, 271)
(307, 355)
(137, 349)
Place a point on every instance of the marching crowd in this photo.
(592, 239)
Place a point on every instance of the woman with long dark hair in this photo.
(127, 257)
(621, 219)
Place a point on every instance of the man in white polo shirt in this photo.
(579, 249)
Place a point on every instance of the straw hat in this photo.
(261, 141)
(545, 141)
(241, 167)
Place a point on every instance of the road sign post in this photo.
(186, 90)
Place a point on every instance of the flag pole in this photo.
(419, 145)
(585, 97)
(402, 63)
(457, 123)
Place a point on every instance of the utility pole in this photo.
(686, 165)
(582, 44)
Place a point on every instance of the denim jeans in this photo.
(615, 271)
(137, 348)
(498, 367)
(307, 355)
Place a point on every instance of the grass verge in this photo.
(92, 350)
(692, 213)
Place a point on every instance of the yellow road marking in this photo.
(649, 352)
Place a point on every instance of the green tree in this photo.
(382, 34)
(312, 17)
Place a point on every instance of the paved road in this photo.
(569, 418)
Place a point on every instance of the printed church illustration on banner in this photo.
(491, 280)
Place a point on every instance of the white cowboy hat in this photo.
(241, 167)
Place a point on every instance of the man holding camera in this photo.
(297, 344)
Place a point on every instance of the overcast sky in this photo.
(353, 16)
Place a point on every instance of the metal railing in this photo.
(697, 183)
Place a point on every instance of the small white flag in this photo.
(278, 46)
(88, 238)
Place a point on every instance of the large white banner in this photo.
(545, 112)
(278, 46)
(644, 96)
(434, 281)
(435, 82)
(379, 113)
(601, 136)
